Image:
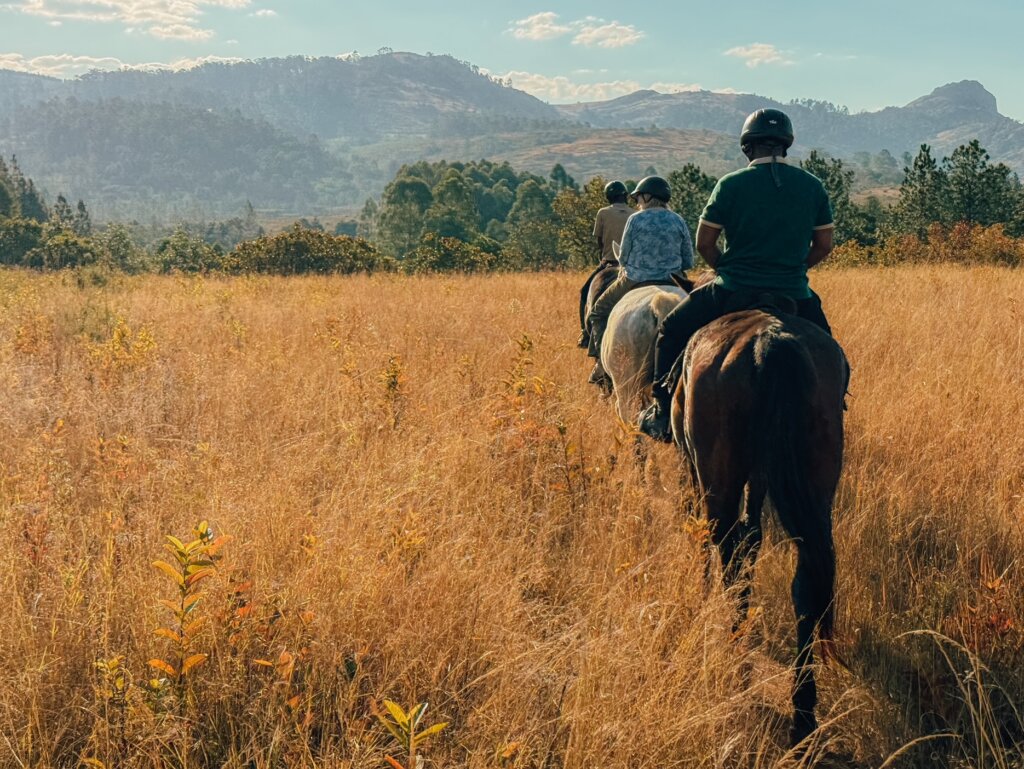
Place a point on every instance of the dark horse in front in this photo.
(759, 411)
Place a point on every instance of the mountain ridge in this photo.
(371, 114)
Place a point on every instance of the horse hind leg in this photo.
(812, 591)
(750, 538)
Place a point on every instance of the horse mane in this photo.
(706, 276)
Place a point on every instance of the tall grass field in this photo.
(384, 521)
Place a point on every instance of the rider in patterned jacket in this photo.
(655, 244)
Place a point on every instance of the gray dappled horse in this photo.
(627, 350)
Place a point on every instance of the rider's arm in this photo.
(626, 244)
(686, 247)
(707, 242)
(821, 246)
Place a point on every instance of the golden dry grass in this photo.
(428, 503)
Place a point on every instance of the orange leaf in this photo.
(197, 576)
(170, 571)
(163, 667)
(294, 701)
(191, 662)
(168, 633)
(394, 764)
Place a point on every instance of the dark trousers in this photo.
(585, 293)
(704, 305)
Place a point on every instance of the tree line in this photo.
(482, 215)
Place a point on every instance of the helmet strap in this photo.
(775, 167)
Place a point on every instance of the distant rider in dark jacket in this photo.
(608, 226)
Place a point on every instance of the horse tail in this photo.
(786, 380)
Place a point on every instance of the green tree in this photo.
(18, 237)
(922, 200)
(183, 252)
(120, 249)
(576, 211)
(453, 213)
(691, 188)
(852, 223)
(300, 250)
(403, 205)
(978, 191)
(63, 215)
(62, 248)
(560, 179)
(81, 223)
(9, 206)
(440, 254)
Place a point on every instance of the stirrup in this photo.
(654, 422)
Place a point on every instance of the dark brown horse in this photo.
(759, 411)
(599, 280)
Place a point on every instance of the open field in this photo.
(427, 502)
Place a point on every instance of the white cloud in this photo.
(168, 19)
(264, 13)
(610, 35)
(64, 65)
(540, 26)
(560, 89)
(757, 54)
(589, 31)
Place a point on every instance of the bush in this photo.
(17, 238)
(300, 250)
(186, 253)
(963, 243)
(438, 254)
(62, 248)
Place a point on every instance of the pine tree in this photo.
(852, 223)
(923, 194)
(691, 188)
(81, 224)
(979, 192)
(63, 216)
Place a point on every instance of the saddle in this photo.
(740, 301)
(756, 299)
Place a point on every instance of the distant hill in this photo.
(305, 135)
(949, 116)
(360, 98)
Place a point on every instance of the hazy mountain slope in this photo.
(137, 160)
(945, 118)
(148, 144)
(364, 99)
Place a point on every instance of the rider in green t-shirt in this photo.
(778, 223)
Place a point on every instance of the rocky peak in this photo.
(965, 96)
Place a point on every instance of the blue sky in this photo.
(865, 55)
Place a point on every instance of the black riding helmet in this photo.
(615, 190)
(654, 186)
(767, 126)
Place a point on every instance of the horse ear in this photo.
(683, 282)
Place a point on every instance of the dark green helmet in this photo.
(615, 190)
(767, 126)
(654, 186)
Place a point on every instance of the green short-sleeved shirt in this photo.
(768, 228)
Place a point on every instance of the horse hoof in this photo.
(804, 724)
